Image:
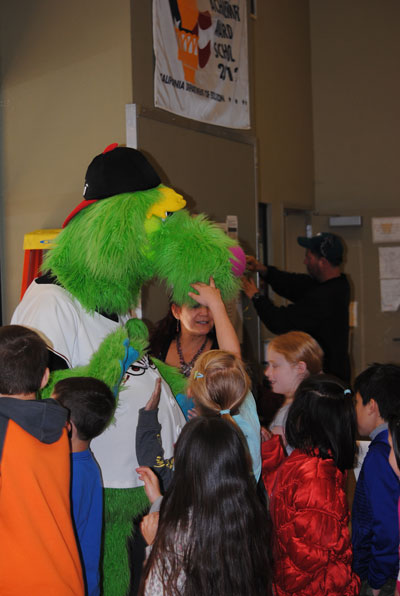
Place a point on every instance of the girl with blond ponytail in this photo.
(220, 386)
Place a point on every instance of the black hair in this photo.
(23, 360)
(214, 531)
(163, 333)
(380, 382)
(90, 402)
(322, 420)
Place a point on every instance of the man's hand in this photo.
(254, 265)
(149, 526)
(249, 287)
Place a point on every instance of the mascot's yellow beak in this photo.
(169, 203)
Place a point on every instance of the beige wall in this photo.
(356, 95)
(66, 76)
(283, 110)
(356, 98)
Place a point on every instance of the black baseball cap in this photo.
(115, 171)
(325, 245)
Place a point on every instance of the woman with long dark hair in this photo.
(188, 331)
(214, 532)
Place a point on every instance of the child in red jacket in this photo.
(292, 357)
(313, 553)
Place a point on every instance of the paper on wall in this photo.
(389, 262)
(390, 294)
(385, 229)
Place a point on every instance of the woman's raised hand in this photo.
(208, 294)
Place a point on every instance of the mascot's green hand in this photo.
(137, 332)
(172, 375)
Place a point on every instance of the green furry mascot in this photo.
(128, 229)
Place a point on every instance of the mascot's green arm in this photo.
(111, 358)
(172, 376)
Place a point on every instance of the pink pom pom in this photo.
(239, 262)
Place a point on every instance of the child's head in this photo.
(291, 358)
(218, 382)
(23, 361)
(377, 396)
(212, 500)
(209, 451)
(90, 402)
(322, 420)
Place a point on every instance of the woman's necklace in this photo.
(186, 367)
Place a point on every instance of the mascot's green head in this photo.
(129, 229)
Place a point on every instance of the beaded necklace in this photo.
(186, 367)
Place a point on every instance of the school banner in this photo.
(201, 69)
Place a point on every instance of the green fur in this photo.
(138, 334)
(175, 379)
(100, 256)
(121, 506)
(180, 250)
(199, 250)
(105, 363)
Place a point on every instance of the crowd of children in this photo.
(212, 528)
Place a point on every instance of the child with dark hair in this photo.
(394, 460)
(374, 516)
(91, 405)
(213, 533)
(309, 507)
(38, 551)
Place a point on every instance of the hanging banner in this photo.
(201, 69)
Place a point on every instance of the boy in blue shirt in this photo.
(91, 405)
(375, 527)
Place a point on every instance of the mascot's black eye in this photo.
(139, 367)
(168, 213)
(136, 371)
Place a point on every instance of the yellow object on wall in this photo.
(34, 245)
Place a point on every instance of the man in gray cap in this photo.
(320, 300)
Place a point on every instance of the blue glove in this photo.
(185, 403)
(130, 356)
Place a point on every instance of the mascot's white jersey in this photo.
(75, 335)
